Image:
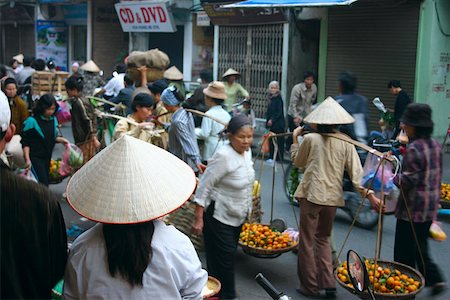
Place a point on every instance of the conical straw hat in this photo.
(19, 57)
(229, 72)
(130, 181)
(329, 112)
(90, 66)
(173, 73)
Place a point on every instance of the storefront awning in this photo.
(287, 3)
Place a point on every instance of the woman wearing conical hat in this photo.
(91, 78)
(232, 88)
(174, 77)
(131, 253)
(324, 159)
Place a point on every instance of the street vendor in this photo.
(420, 184)
(160, 113)
(84, 119)
(223, 202)
(233, 89)
(130, 253)
(320, 192)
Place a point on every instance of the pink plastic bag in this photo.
(72, 159)
(63, 114)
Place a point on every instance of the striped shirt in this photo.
(420, 181)
(182, 140)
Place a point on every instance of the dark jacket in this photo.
(123, 97)
(275, 112)
(401, 103)
(84, 120)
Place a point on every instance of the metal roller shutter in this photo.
(377, 40)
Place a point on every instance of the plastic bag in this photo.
(72, 159)
(370, 167)
(63, 113)
(436, 232)
(265, 146)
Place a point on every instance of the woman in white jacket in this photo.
(210, 129)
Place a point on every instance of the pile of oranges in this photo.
(445, 191)
(54, 168)
(383, 280)
(263, 237)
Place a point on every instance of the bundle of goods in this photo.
(55, 176)
(387, 279)
(155, 60)
(256, 198)
(259, 239)
(71, 160)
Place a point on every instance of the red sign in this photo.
(145, 17)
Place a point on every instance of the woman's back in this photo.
(174, 271)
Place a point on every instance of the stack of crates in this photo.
(49, 83)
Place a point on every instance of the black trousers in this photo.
(291, 126)
(42, 169)
(221, 243)
(406, 251)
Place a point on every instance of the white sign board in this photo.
(145, 17)
(203, 19)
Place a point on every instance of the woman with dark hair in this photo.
(420, 184)
(210, 129)
(39, 135)
(131, 253)
(19, 111)
(84, 120)
(324, 159)
(224, 201)
(275, 120)
(142, 107)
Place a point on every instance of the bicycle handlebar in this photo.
(269, 288)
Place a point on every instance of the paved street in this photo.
(282, 271)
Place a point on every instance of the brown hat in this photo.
(230, 72)
(216, 90)
(90, 66)
(173, 73)
(329, 112)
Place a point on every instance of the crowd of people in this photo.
(131, 251)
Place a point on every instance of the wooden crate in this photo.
(49, 82)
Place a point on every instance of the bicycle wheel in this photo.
(367, 217)
(292, 178)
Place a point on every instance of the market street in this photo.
(282, 271)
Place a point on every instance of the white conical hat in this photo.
(90, 66)
(229, 72)
(329, 112)
(173, 73)
(130, 181)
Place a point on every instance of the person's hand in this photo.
(142, 69)
(65, 141)
(201, 167)
(269, 123)
(27, 164)
(376, 202)
(197, 226)
(96, 142)
(297, 121)
(297, 131)
(146, 124)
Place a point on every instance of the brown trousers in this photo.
(88, 150)
(315, 265)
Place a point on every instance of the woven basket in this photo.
(213, 286)
(182, 219)
(265, 252)
(407, 270)
(56, 180)
(445, 204)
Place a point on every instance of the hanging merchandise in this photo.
(372, 171)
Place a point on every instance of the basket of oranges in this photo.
(388, 280)
(445, 195)
(262, 241)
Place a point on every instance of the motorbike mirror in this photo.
(357, 272)
(377, 102)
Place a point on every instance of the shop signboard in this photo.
(145, 16)
(51, 42)
(203, 19)
(243, 16)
